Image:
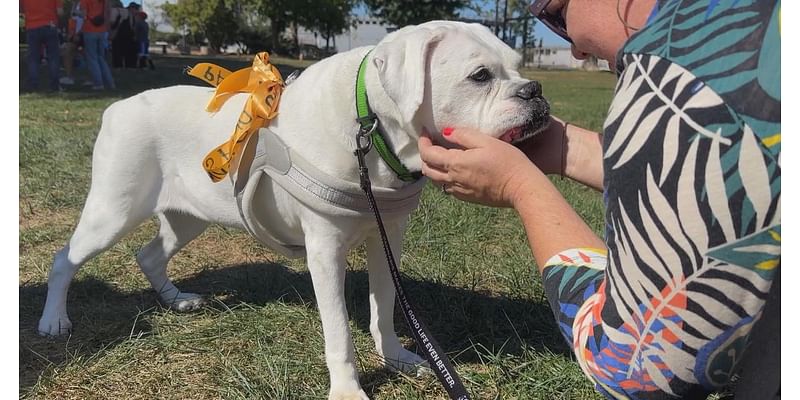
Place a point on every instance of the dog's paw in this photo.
(348, 395)
(186, 302)
(408, 363)
(54, 326)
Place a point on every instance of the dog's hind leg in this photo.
(177, 229)
(103, 223)
(124, 192)
(381, 303)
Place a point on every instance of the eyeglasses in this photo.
(555, 22)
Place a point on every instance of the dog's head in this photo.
(452, 74)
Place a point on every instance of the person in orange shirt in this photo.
(41, 21)
(95, 28)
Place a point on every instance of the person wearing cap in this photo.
(682, 293)
(142, 31)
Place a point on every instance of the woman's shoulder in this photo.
(711, 38)
(731, 47)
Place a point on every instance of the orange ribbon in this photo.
(264, 83)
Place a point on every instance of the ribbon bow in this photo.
(264, 83)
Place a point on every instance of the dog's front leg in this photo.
(326, 251)
(381, 301)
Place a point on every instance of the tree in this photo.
(253, 33)
(522, 23)
(252, 23)
(221, 27)
(155, 20)
(212, 19)
(505, 19)
(280, 14)
(328, 18)
(411, 12)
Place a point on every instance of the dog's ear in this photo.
(402, 65)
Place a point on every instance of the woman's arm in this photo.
(550, 222)
(474, 174)
(568, 150)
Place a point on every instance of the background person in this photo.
(95, 29)
(124, 49)
(41, 33)
(72, 45)
(688, 275)
(142, 31)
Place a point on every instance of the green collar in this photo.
(369, 123)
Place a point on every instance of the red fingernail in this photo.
(447, 131)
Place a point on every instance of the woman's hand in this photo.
(486, 170)
(547, 148)
(567, 150)
(492, 172)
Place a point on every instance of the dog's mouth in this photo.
(522, 132)
(536, 123)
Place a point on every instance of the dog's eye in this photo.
(481, 75)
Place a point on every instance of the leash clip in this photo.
(363, 137)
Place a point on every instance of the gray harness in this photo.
(273, 160)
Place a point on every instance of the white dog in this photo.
(147, 161)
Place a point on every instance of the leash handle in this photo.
(437, 358)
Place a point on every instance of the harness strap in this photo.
(274, 163)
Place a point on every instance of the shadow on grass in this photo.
(101, 315)
(462, 320)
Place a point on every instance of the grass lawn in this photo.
(468, 269)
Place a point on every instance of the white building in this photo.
(552, 57)
(557, 58)
(367, 31)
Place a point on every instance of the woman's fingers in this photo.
(438, 176)
(468, 139)
(435, 156)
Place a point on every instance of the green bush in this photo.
(253, 40)
(169, 37)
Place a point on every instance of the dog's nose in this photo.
(530, 90)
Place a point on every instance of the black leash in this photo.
(437, 358)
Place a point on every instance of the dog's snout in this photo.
(530, 90)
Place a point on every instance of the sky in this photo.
(540, 31)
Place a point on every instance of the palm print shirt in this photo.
(691, 155)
